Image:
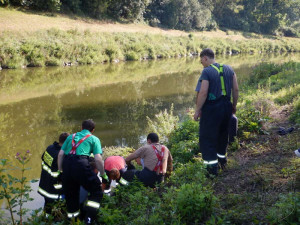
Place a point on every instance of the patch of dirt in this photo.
(261, 170)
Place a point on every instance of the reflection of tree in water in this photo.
(33, 125)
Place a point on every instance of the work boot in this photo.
(222, 163)
(212, 169)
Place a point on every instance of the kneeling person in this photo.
(155, 159)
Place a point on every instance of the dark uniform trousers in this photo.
(213, 133)
(77, 172)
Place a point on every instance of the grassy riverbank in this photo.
(56, 41)
(261, 184)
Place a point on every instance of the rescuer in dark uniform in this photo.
(73, 161)
(215, 109)
(50, 186)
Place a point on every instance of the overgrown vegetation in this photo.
(248, 192)
(270, 17)
(57, 47)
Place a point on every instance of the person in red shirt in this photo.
(115, 167)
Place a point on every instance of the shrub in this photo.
(286, 210)
(194, 203)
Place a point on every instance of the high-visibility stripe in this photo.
(220, 71)
(57, 186)
(221, 156)
(46, 168)
(210, 162)
(71, 215)
(48, 195)
(107, 191)
(92, 204)
(123, 181)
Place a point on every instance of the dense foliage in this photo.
(261, 16)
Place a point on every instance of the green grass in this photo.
(35, 40)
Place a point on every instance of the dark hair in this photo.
(207, 52)
(88, 125)
(153, 137)
(63, 137)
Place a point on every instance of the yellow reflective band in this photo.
(210, 162)
(48, 195)
(221, 156)
(123, 181)
(71, 215)
(92, 204)
(57, 186)
(221, 77)
(53, 174)
(48, 158)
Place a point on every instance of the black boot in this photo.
(212, 169)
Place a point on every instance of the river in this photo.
(37, 104)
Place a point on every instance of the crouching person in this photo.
(115, 167)
(50, 186)
(155, 161)
(73, 160)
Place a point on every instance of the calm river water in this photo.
(37, 104)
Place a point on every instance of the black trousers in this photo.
(149, 178)
(78, 172)
(213, 132)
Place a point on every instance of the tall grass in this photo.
(56, 47)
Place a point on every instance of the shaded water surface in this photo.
(37, 104)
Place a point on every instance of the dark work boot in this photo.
(222, 162)
(212, 169)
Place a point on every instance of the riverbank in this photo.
(30, 40)
(261, 183)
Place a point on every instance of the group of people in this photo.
(70, 159)
(73, 168)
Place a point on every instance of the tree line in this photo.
(279, 17)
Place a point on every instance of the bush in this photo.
(183, 142)
(194, 203)
(286, 210)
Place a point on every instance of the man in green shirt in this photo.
(73, 161)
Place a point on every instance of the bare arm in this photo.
(99, 164)
(235, 93)
(201, 98)
(165, 162)
(131, 157)
(60, 158)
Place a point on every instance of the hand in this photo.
(104, 178)
(197, 115)
(59, 177)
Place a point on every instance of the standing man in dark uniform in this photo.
(73, 161)
(215, 109)
(50, 187)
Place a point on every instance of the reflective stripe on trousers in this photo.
(71, 215)
(221, 156)
(93, 204)
(210, 162)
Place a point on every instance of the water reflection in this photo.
(38, 104)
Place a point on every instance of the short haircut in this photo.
(114, 174)
(207, 52)
(63, 137)
(88, 125)
(153, 137)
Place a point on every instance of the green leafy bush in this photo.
(286, 210)
(183, 142)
